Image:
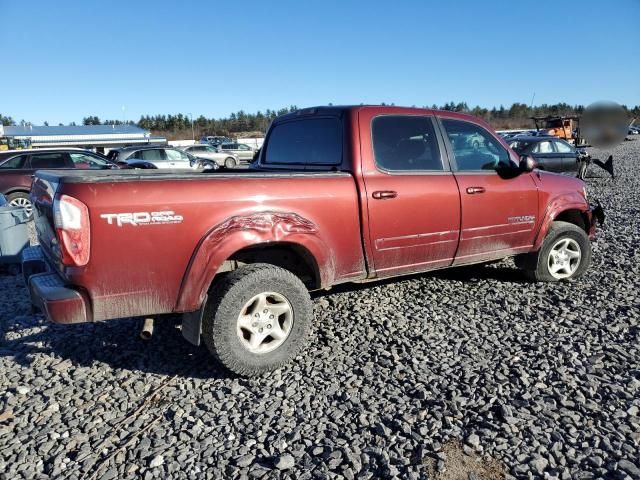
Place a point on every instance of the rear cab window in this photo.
(305, 142)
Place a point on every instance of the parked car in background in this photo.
(550, 153)
(634, 131)
(210, 153)
(242, 152)
(17, 168)
(215, 140)
(150, 157)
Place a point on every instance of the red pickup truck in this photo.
(337, 194)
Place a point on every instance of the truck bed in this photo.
(108, 176)
(143, 268)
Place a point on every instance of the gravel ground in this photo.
(469, 373)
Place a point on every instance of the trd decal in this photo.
(522, 219)
(138, 219)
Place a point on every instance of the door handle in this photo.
(474, 190)
(384, 194)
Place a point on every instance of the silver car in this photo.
(207, 152)
(243, 152)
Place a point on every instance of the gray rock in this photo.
(245, 460)
(474, 441)
(539, 464)
(284, 462)
(629, 467)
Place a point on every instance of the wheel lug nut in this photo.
(270, 317)
(265, 311)
(257, 315)
(254, 324)
(261, 330)
(269, 326)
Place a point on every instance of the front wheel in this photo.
(257, 318)
(230, 162)
(565, 254)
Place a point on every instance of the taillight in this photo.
(71, 219)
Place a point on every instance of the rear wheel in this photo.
(230, 162)
(257, 319)
(565, 254)
(21, 199)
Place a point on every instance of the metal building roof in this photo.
(38, 131)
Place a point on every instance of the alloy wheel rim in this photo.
(265, 322)
(22, 202)
(564, 258)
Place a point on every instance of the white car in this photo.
(155, 157)
(207, 152)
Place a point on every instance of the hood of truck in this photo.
(556, 189)
(558, 183)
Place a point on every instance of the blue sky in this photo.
(64, 60)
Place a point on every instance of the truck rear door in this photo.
(412, 198)
(498, 210)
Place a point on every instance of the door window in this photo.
(405, 143)
(15, 162)
(474, 148)
(84, 161)
(563, 147)
(153, 155)
(243, 147)
(176, 156)
(49, 160)
(543, 147)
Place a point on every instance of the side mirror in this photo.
(527, 163)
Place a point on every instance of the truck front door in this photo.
(413, 203)
(498, 206)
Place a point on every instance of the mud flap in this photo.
(192, 325)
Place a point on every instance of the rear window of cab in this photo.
(307, 141)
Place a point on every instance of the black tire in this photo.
(536, 264)
(226, 302)
(21, 199)
(230, 162)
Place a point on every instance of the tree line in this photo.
(180, 125)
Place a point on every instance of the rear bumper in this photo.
(60, 303)
(596, 216)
